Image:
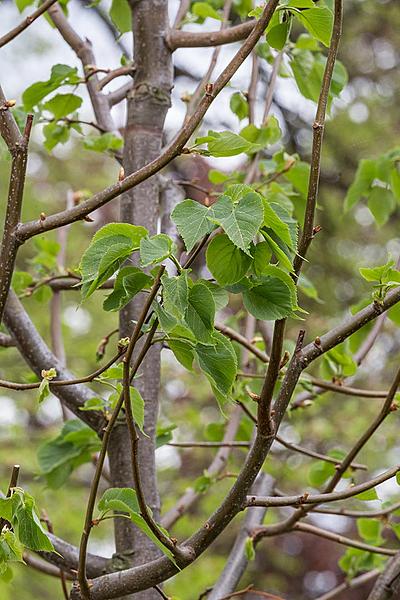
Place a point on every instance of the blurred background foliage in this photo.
(364, 124)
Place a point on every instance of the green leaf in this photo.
(155, 249)
(125, 500)
(318, 21)
(103, 142)
(137, 403)
(370, 530)
(200, 312)
(367, 495)
(365, 175)
(277, 250)
(62, 105)
(121, 15)
(277, 35)
(184, 353)
(320, 472)
(134, 232)
(262, 255)
(205, 10)
(273, 221)
(22, 4)
(381, 203)
(27, 526)
(175, 294)
(119, 499)
(227, 263)
(129, 282)
(269, 301)
(60, 75)
(191, 220)
(219, 363)
(227, 143)
(249, 549)
(55, 133)
(220, 296)
(274, 271)
(240, 221)
(44, 390)
(6, 508)
(239, 105)
(382, 274)
(308, 70)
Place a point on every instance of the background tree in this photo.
(245, 217)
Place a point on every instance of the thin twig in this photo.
(13, 33)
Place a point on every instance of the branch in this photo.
(82, 575)
(357, 514)
(321, 498)
(318, 132)
(351, 584)
(388, 584)
(193, 39)
(13, 33)
(83, 51)
(9, 245)
(237, 560)
(32, 228)
(341, 539)
(38, 356)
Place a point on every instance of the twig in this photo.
(107, 432)
(18, 148)
(351, 584)
(190, 39)
(318, 132)
(13, 33)
(306, 498)
(11, 486)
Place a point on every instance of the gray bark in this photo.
(148, 103)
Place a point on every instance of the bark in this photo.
(148, 103)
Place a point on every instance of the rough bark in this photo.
(148, 103)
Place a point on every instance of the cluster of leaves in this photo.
(237, 261)
(22, 530)
(123, 502)
(377, 181)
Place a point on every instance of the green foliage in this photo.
(155, 249)
(103, 142)
(137, 404)
(269, 299)
(377, 181)
(240, 221)
(20, 512)
(60, 75)
(385, 276)
(239, 105)
(109, 247)
(121, 15)
(62, 105)
(58, 457)
(191, 220)
(129, 282)
(226, 262)
(308, 69)
(124, 500)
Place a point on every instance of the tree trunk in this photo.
(148, 103)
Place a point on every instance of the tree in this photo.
(252, 231)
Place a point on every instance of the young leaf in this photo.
(119, 499)
(239, 105)
(191, 220)
(137, 403)
(318, 21)
(60, 75)
(62, 105)
(121, 15)
(227, 263)
(240, 221)
(155, 249)
(26, 524)
(129, 282)
(184, 353)
(104, 142)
